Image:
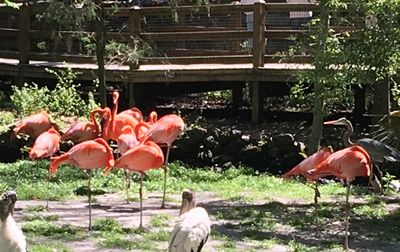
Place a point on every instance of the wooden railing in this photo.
(217, 35)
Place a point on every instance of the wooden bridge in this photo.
(206, 44)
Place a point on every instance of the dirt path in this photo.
(75, 212)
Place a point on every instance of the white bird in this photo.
(193, 227)
(11, 237)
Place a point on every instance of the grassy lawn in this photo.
(250, 212)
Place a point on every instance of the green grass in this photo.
(50, 247)
(50, 229)
(161, 220)
(238, 184)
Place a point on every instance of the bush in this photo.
(64, 100)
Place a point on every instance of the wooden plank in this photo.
(9, 32)
(69, 58)
(237, 59)
(296, 59)
(193, 36)
(201, 52)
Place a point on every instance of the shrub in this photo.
(64, 100)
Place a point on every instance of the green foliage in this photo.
(46, 228)
(160, 220)
(62, 15)
(29, 99)
(107, 224)
(63, 100)
(50, 247)
(129, 53)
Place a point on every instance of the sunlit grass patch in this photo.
(118, 240)
(40, 217)
(108, 225)
(226, 243)
(50, 247)
(371, 210)
(50, 229)
(35, 208)
(158, 235)
(161, 220)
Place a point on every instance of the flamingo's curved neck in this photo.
(107, 124)
(94, 121)
(153, 117)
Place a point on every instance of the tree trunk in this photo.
(320, 67)
(100, 48)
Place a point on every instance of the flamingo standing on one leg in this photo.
(46, 145)
(82, 131)
(165, 131)
(34, 125)
(345, 164)
(87, 155)
(303, 169)
(141, 158)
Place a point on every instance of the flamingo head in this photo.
(115, 95)
(188, 201)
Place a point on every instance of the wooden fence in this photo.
(215, 34)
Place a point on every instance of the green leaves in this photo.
(64, 99)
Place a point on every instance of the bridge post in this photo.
(258, 57)
(134, 27)
(23, 38)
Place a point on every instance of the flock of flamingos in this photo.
(139, 150)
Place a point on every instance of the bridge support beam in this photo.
(131, 95)
(237, 97)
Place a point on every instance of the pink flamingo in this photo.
(303, 169)
(141, 158)
(345, 164)
(88, 155)
(46, 144)
(82, 131)
(34, 125)
(165, 131)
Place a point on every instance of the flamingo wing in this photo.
(45, 145)
(309, 163)
(141, 158)
(345, 164)
(166, 129)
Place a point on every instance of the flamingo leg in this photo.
(141, 200)
(165, 176)
(89, 172)
(347, 209)
(316, 196)
(128, 184)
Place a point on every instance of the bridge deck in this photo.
(159, 73)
